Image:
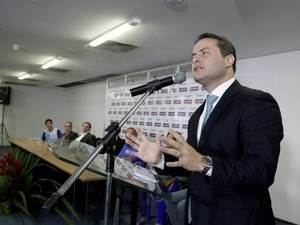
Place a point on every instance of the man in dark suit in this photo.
(86, 136)
(69, 134)
(232, 158)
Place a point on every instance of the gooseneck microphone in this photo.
(177, 78)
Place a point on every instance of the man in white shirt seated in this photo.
(86, 136)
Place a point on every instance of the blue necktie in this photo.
(210, 99)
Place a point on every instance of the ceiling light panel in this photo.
(124, 27)
(51, 63)
(25, 76)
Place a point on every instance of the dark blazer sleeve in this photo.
(72, 136)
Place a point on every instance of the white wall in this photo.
(277, 74)
(28, 109)
(87, 104)
(280, 76)
(30, 106)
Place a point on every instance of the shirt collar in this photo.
(219, 91)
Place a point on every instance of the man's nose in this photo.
(196, 59)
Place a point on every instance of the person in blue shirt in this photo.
(129, 157)
(51, 132)
(138, 161)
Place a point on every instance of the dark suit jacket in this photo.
(89, 139)
(242, 135)
(71, 136)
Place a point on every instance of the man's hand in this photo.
(188, 157)
(146, 150)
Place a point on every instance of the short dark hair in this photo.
(226, 47)
(88, 124)
(69, 122)
(48, 120)
(133, 131)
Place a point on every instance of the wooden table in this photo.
(39, 148)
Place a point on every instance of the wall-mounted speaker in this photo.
(5, 95)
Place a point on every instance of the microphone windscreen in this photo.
(179, 78)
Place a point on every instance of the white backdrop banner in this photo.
(171, 106)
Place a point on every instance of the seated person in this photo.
(51, 132)
(124, 155)
(69, 134)
(86, 136)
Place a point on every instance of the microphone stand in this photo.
(113, 130)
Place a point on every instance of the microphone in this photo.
(177, 78)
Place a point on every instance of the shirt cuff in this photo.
(209, 172)
(161, 164)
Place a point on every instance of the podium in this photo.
(125, 173)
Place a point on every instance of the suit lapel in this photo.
(218, 110)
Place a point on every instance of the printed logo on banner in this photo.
(177, 101)
(194, 88)
(149, 124)
(173, 90)
(166, 125)
(171, 113)
(168, 102)
(181, 113)
(187, 101)
(153, 135)
(157, 124)
(184, 126)
(183, 89)
(176, 125)
(199, 101)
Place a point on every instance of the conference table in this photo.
(40, 149)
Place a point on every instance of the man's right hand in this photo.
(147, 150)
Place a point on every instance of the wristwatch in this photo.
(207, 163)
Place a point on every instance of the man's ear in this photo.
(229, 60)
